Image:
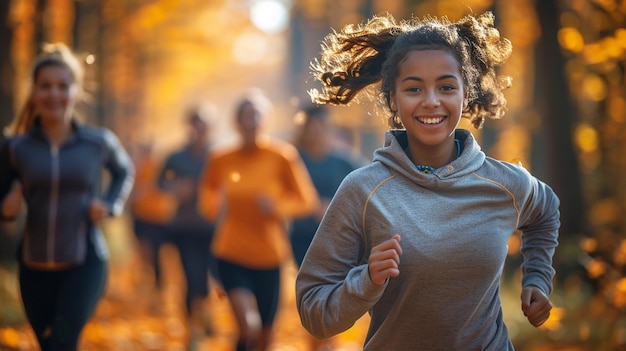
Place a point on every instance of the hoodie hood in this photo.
(393, 156)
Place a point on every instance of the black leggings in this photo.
(58, 304)
(154, 236)
(197, 261)
(263, 283)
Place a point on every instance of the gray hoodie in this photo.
(454, 224)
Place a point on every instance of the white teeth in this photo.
(431, 120)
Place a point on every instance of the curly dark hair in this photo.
(362, 55)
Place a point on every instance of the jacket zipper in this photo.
(54, 195)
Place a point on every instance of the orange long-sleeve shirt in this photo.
(147, 202)
(230, 189)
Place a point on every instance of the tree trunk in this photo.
(7, 72)
(559, 116)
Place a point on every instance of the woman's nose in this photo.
(431, 98)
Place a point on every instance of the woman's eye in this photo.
(413, 89)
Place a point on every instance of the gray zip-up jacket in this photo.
(59, 184)
(454, 226)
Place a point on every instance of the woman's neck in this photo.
(316, 151)
(198, 147)
(433, 156)
(57, 132)
(250, 145)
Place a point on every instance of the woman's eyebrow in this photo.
(443, 77)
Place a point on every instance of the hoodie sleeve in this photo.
(333, 288)
(539, 224)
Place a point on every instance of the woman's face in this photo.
(54, 94)
(428, 97)
(316, 132)
(248, 123)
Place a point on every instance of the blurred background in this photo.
(148, 61)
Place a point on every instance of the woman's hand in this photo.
(535, 305)
(267, 205)
(98, 210)
(384, 260)
(184, 189)
(12, 203)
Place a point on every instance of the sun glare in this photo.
(270, 16)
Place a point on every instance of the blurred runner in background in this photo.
(327, 168)
(253, 190)
(189, 231)
(57, 162)
(151, 209)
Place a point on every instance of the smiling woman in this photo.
(429, 99)
(415, 248)
(54, 163)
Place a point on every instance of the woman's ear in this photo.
(392, 102)
(465, 99)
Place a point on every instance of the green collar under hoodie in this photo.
(454, 226)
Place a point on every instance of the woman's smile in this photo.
(430, 120)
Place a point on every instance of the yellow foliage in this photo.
(9, 337)
(595, 53)
(619, 294)
(554, 321)
(584, 330)
(596, 268)
(589, 245)
(619, 257)
(620, 36)
(594, 88)
(586, 137)
(617, 108)
(605, 212)
(571, 39)
(613, 48)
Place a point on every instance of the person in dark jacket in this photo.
(54, 163)
(327, 168)
(191, 232)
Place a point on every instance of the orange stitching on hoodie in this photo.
(505, 189)
(393, 175)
